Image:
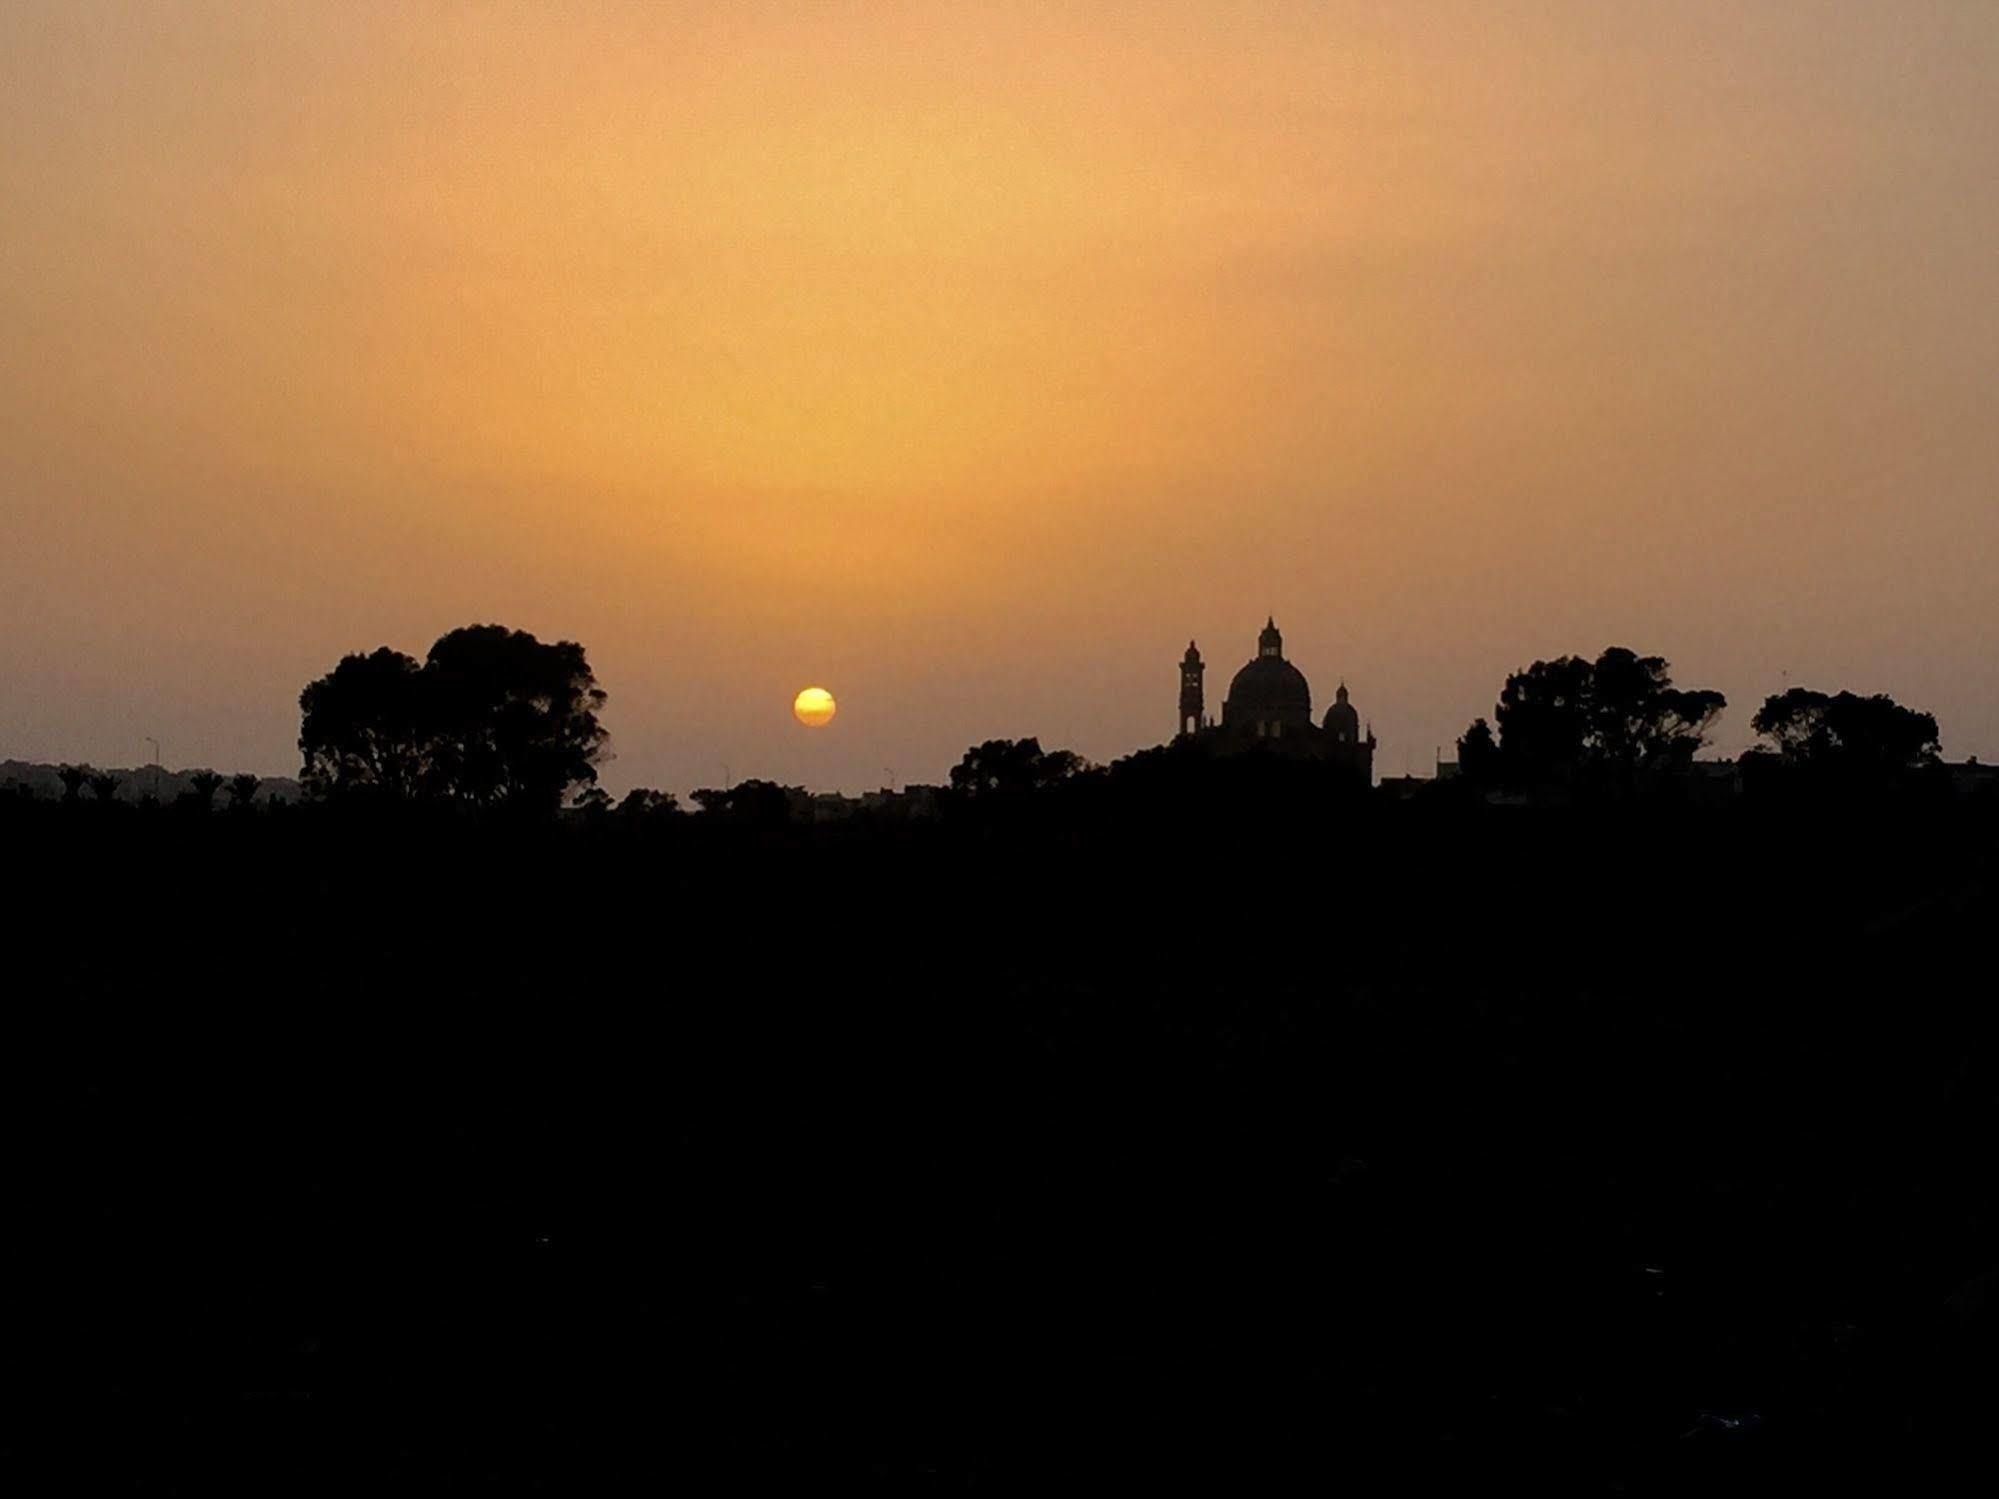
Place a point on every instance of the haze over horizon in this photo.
(967, 362)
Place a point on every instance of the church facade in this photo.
(1269, 708)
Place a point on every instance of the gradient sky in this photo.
(968, 359)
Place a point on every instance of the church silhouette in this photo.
(1269, 709)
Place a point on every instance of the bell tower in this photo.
(1190, 691)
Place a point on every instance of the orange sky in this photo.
(968, 359)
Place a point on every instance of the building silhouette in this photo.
(1269, 709)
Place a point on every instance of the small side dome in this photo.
(1341, 721)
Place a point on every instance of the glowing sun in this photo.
(814, 707)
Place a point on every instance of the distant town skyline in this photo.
(966, 361)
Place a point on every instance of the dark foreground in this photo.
(1646, 1151)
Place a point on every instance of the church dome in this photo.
(1269, 688)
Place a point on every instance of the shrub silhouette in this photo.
(752, 803)
(643, 802)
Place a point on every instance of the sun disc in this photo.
(814, 707)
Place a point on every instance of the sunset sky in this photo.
(967, 359)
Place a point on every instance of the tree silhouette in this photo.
(1638, 718)
(1478, 754)
(74, 778)
(1543, 717)
(1012, 767)
(512, 720)
(104, 786)
(202, 786)
(364, 728)
(1847, 732)
(243, 789)
(492, 716)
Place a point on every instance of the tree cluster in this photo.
(641, 804)
(103, 785)
(1845, 731)
(1571, 718)
(1013, 767)
(491, 717)
(753, 802)
(203, 786)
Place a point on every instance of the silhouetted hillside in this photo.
(1220, 1134)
